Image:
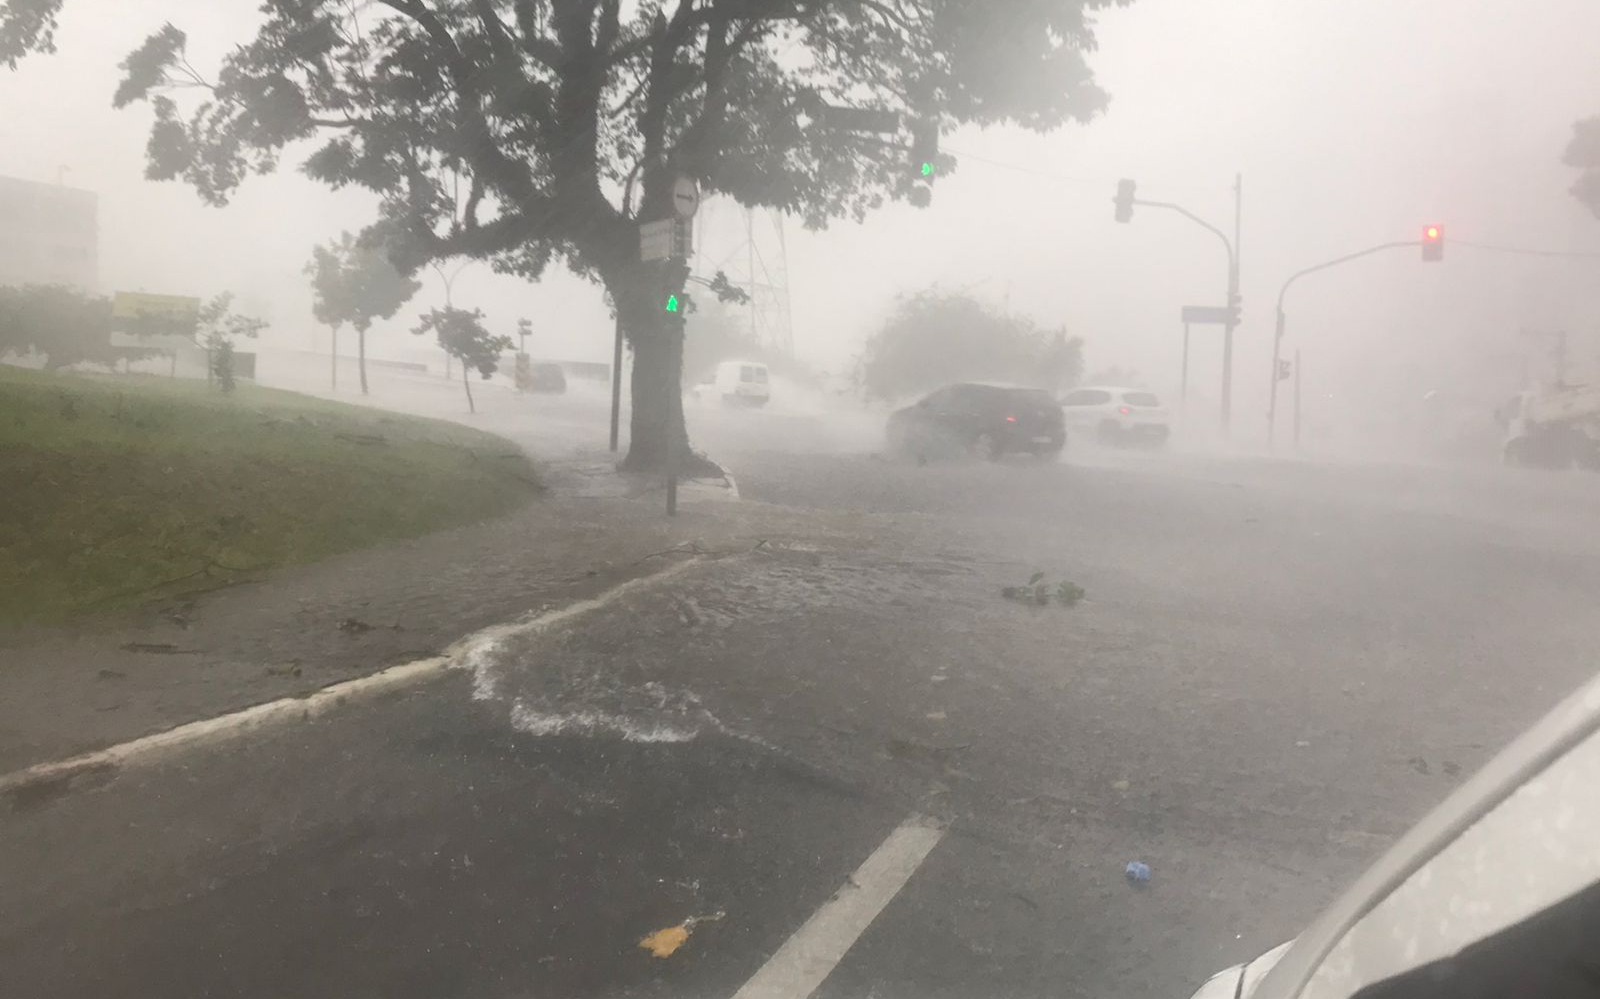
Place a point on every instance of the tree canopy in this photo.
(61, 323)
(463, 336)
(353, 281)
(27, 26)
(1583, 152)
(933, 339)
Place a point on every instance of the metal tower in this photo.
(755, 257)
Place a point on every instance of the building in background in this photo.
(49, 234)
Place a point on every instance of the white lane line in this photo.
(465, 652)
(809, 956)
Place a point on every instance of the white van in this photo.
(737, 383)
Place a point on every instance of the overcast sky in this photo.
(1352, 121)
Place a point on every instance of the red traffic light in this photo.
(1432, 243)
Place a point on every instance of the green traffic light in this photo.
(927, 169)
(672, 303)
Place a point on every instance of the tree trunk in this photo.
(467, 384)
(656, 391)
(333, 354)
(361, 356)
(656, 428)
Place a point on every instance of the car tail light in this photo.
(1011, 419)
(1124, 410)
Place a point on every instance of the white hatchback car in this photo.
(1113, 415)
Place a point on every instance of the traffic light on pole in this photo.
(1432, 244)
(1124, 200)
(924, 147)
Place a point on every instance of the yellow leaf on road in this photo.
(662, 943)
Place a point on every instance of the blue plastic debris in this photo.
(1137, 872)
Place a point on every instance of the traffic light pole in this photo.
(1277, 335)
(1233, 286)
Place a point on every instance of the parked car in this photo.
(546, 376)
(1496, 893)
(737, 383)
(1117, 416)
(988, 420)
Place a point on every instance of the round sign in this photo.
(685, 197)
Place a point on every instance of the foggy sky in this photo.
(1352, 121)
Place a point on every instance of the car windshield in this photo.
(783, 498)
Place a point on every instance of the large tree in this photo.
(353, 281)
(522, 131)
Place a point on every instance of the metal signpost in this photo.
(1201, 315)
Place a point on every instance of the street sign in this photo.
(1210, 315)
(655, 240)
(666, 239)
(685, 197)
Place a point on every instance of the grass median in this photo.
(119, 490)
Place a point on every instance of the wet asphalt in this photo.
(1276, 667)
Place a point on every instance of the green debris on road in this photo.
(126, 489)
(1038, 592)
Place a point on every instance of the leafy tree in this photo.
(463, 336)
(216, 329)
(934, 338)
(353, 281)
(65, 325)
(522, 131)
(1583, 152)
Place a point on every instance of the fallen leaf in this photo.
(663, 943)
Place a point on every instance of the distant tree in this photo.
(463, 336)
(65, 325)
(353, 281)
(328, 304)
(1583, 153)
(216, 329)
(523, 131)
(934, 338)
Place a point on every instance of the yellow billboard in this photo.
(133, 304)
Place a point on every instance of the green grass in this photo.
(117, 490)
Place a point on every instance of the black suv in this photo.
(988, 420)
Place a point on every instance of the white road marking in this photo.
(809, 956)
(464, 653)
